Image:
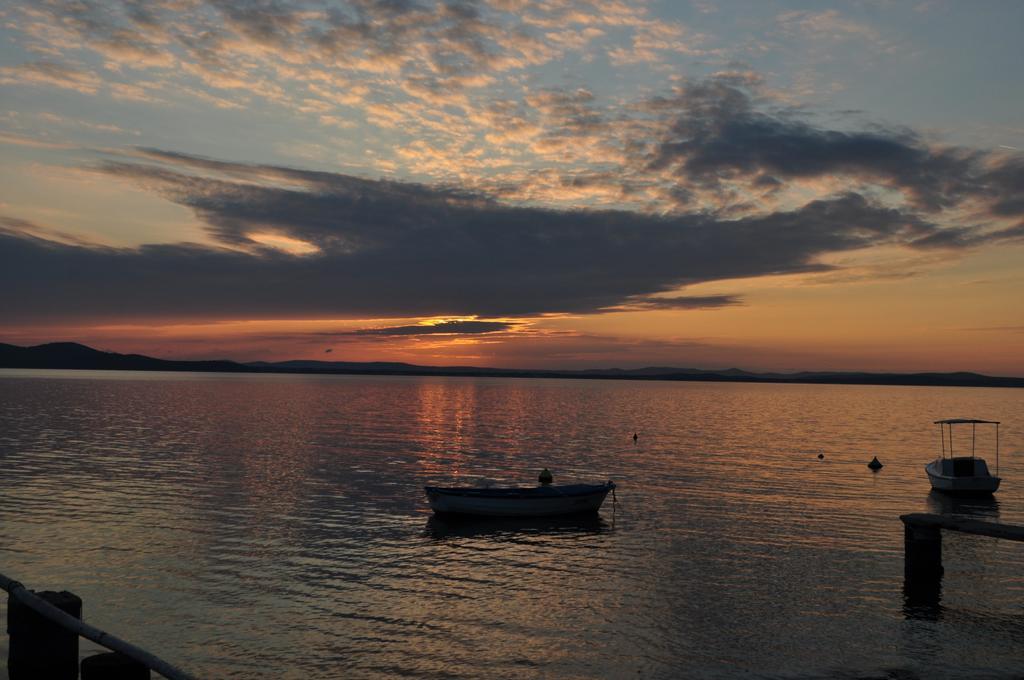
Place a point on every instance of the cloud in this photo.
(22, 228)
(422, 70)
(54, 73)
(443, 328)
(452, 86)
(408, 250)
(829, 26)
(968, 237)
(718, 137)
(652, 39)
(220, 37)
(679, 302)
(20, 140)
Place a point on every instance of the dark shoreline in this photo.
(79, 357)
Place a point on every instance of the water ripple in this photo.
(274, 526)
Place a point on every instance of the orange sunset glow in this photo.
(515, 185)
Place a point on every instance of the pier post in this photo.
(922, 547)
(922, 570)
(40, 648)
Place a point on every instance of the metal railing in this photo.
(23, 595)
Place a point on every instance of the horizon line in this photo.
(732, 374)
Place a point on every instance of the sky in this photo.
(537, 184)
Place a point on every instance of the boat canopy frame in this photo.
(948, 423)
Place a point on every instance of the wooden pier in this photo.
(923, 539)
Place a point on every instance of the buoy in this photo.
(635, 436)
(545, 476)
(875, 464)
(820, 456)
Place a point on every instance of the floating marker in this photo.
(820, 456)
(875, 464)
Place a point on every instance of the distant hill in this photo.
(74, 355)
(71, 355)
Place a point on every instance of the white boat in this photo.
(540, 501)
(963, 475)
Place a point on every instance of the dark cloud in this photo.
(953, 237)
(716, 132)
(682, 302)
(443, 328)
(1004, 184)
(404, 250)
(271, 24)
(968, 237)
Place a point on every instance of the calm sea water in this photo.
(275, 526)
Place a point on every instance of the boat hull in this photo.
(545, 501)
(976, 485)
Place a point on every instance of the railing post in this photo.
(40, 648)
(44, 629)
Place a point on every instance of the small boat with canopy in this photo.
(963, 475)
